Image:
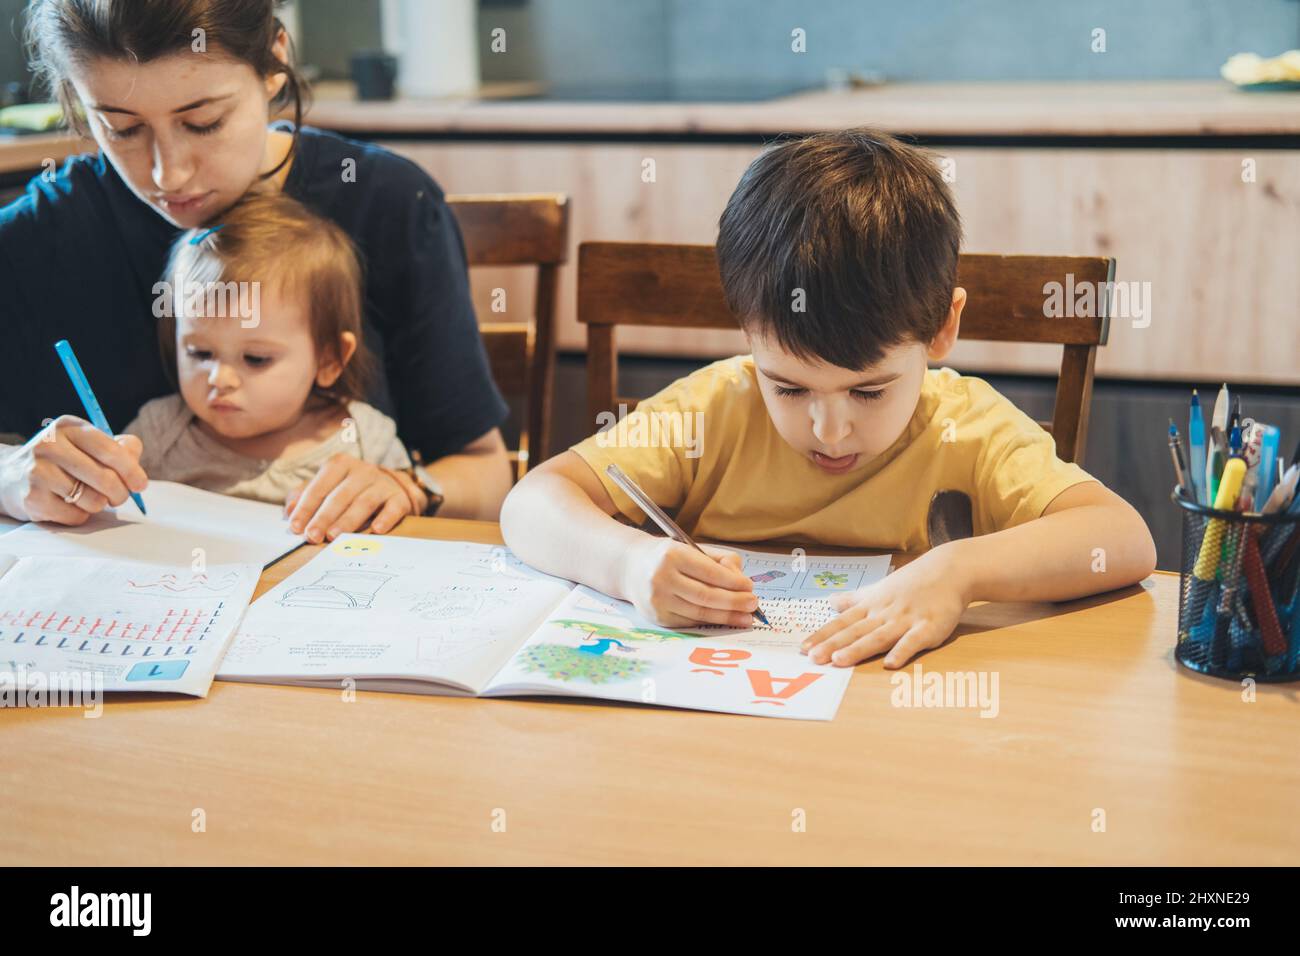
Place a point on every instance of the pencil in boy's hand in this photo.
(88, 399)
(660, 517)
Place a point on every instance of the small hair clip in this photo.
(205, 234)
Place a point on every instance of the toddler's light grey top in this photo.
(177, 449)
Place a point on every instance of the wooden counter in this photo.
(1194, 187)
(1194, 108)
(25, 155)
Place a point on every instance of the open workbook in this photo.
(78, 623)
(446, 617)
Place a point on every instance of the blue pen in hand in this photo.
(88, 399)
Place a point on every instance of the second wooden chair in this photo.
(655, 284)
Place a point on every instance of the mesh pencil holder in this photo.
(1238, 612)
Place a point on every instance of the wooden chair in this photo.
(521, 230)
(651, 284)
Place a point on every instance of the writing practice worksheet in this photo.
(129, 626)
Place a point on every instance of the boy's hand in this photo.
(674, 585)
(911, 610)
(342, 497)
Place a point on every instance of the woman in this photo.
(177, 94)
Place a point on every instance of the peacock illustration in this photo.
(586, 664)
(602, 645)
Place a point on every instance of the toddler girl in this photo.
(261, 320)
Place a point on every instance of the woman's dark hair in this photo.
(62, 33)
(840, 245)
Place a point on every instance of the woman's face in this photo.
(187, 132)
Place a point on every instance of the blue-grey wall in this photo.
(727, 41)
(977, 39)
(582, 42)
(13, 62)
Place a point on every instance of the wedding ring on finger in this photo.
(73, 496)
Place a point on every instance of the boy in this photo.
(838, 254)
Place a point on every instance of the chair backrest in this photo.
(521, 230)
(655, 284)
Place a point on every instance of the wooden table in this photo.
(1094, 717)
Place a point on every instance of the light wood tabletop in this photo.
(1102, 751)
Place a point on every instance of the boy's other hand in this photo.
(674, 585)
(70, 457)
(913, 609)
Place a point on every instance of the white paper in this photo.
(376, 609)
(139, 627)
(180, 519)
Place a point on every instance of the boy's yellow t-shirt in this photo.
(705, 449)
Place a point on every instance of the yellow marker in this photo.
(1234, 473)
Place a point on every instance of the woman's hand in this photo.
(345, 493)
(69, 458)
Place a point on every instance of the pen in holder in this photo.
(1238, 613)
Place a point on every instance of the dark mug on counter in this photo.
(374, 74)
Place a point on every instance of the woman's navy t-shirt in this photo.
(80, 254)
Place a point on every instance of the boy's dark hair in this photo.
(863, 224)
